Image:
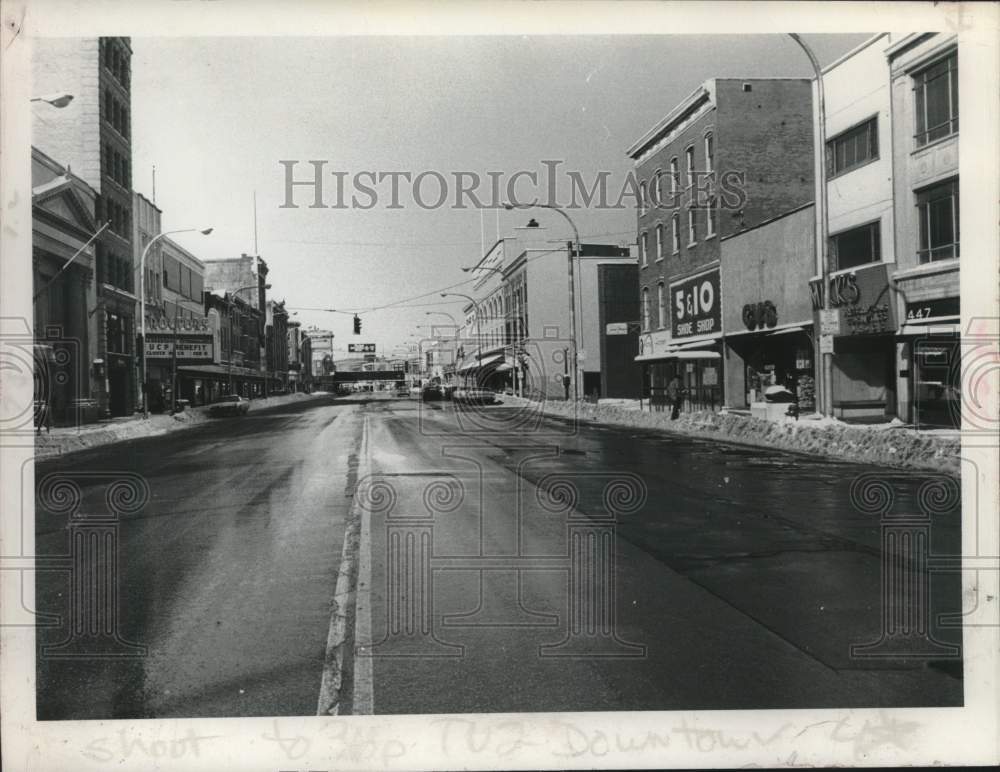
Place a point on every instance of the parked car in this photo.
(432, 393)
(474, 396)
(230, 404)
(402, 391)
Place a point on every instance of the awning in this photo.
(473, 364)
(694, 355)
(787, 330)
(915, 330)
(220, 370)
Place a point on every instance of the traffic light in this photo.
(357, 324)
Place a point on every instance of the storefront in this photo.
(691, 349)
(768, 314)
(930, 336)
(171, 346)
(864, 344)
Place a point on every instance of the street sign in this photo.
(616, 328)
(361, 348)
(829, 321)
(825, 344)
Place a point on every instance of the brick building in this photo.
(733, 155)
(92, 136)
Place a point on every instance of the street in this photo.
(491, 554)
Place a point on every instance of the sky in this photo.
(216, 116)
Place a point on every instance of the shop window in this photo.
(853, 148)
(935, 91)
(938, 216)
(857, 246)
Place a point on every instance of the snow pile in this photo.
(888, 444)
(68, 440)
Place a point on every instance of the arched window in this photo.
(675, 176)
(659, 242)
(675, 234)
(689, 163)
(645, 308)
(642, 198)
(661, 306)
(709, 153)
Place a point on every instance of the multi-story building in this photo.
(518, 332)
(68, 370)
(734, 154)
(293, 340)
(236, 299)
(860, 237)
(321, 351)
(923, 72)
(92, 136)
(276, 346)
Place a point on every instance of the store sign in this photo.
(616, 328)
(861, 299)
(757, 316)
(696, 307)
(361, 348)
(932, 309)
(198, 325)
(162, 347)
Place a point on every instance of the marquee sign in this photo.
(189, 349)
(198, 325)
(696, 305)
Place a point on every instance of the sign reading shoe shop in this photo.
(696, 305)
(863, 298)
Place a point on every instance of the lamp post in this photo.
(572, 284)
(826, 359)
(229, 313)
(56, 100)
(142, 303)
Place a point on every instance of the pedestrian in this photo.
(674, 396)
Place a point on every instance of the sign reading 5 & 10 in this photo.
(696, 308)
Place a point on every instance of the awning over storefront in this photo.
(220, 370)
(472, 365)
(787, 331)
(914, 330)
(689, 354)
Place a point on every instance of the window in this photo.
(709, 153)
(645, 308)
(689, 162)
(692, 232)
(936, 100)
(710, 215)
(675, 234)
(675, 176)
(852, 148)
(644, 249)
(661, 306)
(857, 246)
(642, 198)
(659, 242)
(166, 281)
(938, 215)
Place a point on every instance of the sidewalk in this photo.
(68, 439)
(889, 444)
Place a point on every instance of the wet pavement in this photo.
(514, 563)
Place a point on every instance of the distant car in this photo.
(474, 396)
(416, 390)
(402, 391)
(231, 405)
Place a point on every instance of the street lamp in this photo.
(142, 299)
(56, 100)
(826, 359)
(572, 285)
(229, 313)
(479, 326)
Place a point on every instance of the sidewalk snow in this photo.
(70, 439)
(889, 444)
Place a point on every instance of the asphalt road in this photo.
(505, 563)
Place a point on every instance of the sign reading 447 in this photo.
(696, 307)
